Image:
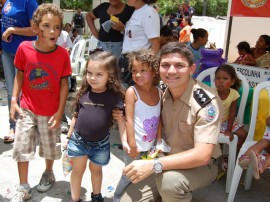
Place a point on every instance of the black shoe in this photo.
(97, 198)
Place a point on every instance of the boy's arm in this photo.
(55, 120)
(18, 82)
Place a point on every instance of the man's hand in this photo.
(139, 170)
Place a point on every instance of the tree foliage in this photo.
(86, 5)
(213, 7)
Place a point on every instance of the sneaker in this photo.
(22, 194)
(46, 182)
(96, 198)
(64, 127)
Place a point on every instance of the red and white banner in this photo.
(250, 8)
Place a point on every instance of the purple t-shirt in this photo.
(95, 114)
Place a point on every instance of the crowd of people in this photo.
(135, 51)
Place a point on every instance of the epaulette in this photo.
(201, 97)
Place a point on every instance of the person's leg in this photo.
(145, 190)
(178, 185)
(124, 180)
(9, 72)
(49, 149)
(78, 168)
(242, 135)
(96, 177)
(23, 151)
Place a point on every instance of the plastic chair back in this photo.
(75, 55)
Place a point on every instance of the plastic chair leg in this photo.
(248, 178)
(231, 162)
(235, 181)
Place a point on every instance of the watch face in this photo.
(158, 167)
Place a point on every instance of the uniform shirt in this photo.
(17, 13)
(113, 35)
(43, 72)
(186, 122)
(233, 95)
(78, 20)
(95, 114)
(142, 26)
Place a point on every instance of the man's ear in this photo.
(192, 69)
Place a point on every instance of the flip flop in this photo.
(244, 162)
(255, 164)
(9, 138)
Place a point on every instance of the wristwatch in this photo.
(157, 167)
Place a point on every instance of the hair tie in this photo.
(97, 49)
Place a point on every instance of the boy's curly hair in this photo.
(46, 8)
(148, 57)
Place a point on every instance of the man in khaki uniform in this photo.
(191, 117)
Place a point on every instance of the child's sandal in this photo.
(244, 162)
(257, 163)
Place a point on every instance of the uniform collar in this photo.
(187, 95)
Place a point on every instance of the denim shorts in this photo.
(98, 152)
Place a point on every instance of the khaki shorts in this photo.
(31, 129)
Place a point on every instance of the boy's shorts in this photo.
(98, 152)
(31, 129)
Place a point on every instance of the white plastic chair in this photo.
(89, 44)
(75, 56)
(248, 143)
(240, 119)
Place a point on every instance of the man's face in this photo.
(175, 71)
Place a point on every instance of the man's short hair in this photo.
(177, 47)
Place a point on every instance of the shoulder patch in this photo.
(201, 97)
(210, 112)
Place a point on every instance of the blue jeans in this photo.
(114, 48)
(10, 72)
(98, 152)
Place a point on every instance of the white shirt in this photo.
(64, 40)
(143, 25)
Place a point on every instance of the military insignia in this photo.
(201, 97)
(210, 112)
(254, 3)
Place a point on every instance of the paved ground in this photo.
(60, 192)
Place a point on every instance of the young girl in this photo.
(88, 136)
(200, 37)
(142, 110)
(227, 84)
(258, 154)
(245, 54)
